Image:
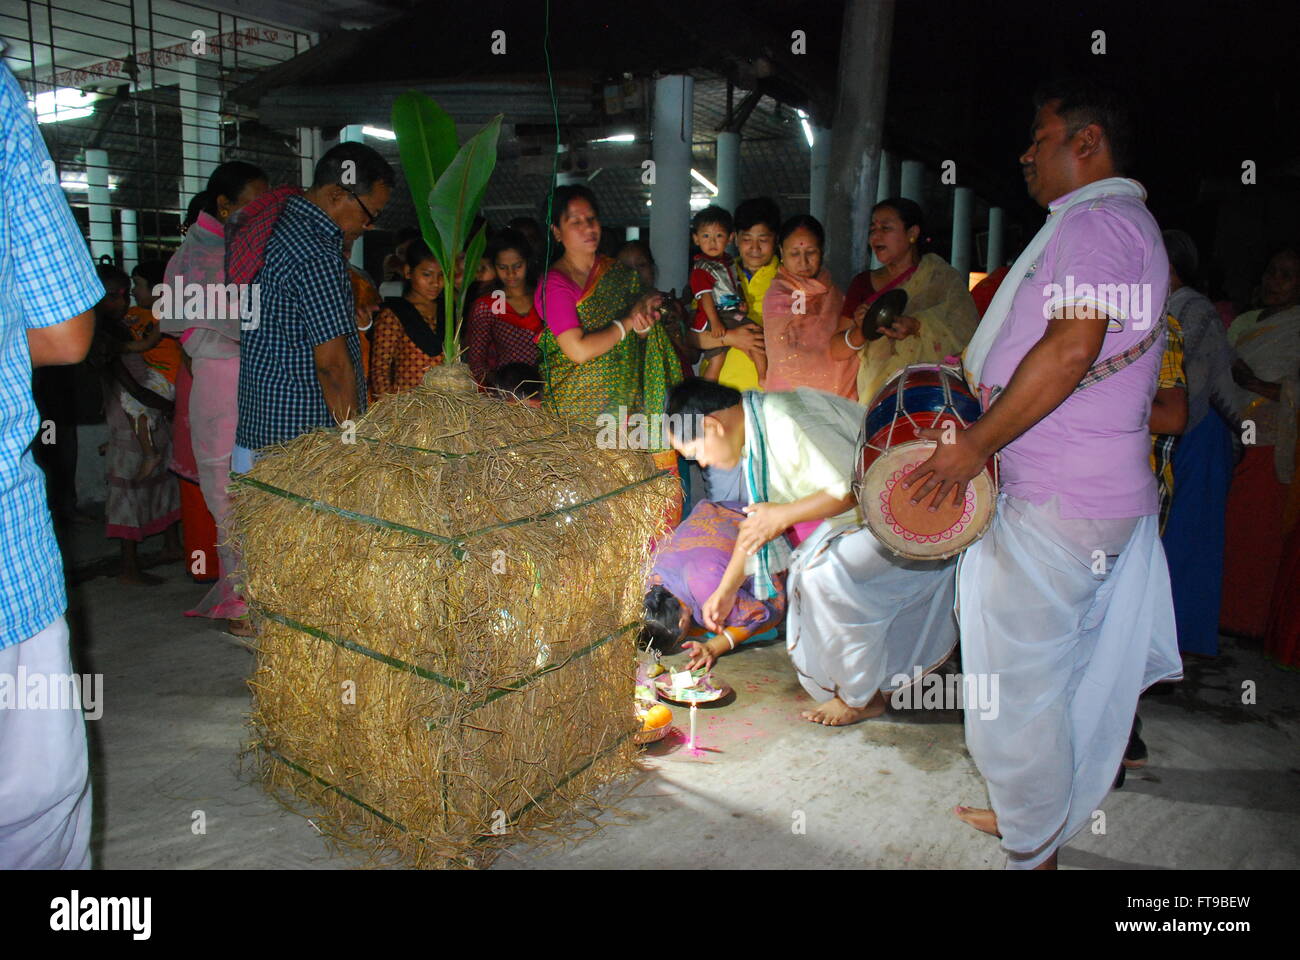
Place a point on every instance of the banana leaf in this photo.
(473, 253)
(458, 192)
(427, 144)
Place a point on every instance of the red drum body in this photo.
(890, 447)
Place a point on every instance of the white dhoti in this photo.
(858, 615)
(1072, 650)
(45, 796)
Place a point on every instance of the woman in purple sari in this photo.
(687, 570)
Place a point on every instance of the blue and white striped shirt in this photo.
(305, 300)
(46, 277)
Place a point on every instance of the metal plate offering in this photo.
(703, 688)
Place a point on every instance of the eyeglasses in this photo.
(370, 217)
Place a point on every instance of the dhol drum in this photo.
(890, 447)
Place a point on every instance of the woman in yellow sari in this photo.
(941, 316)
(603, 353)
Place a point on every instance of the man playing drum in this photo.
(858, 615)
(1066, 598)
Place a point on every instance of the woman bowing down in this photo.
(859, 619)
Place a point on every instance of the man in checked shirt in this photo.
(47, 289)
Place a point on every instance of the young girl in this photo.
(504, 323)
(162, 357)
(407, 339)
(687, 571)
(139, 504)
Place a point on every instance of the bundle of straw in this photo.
(447, 615)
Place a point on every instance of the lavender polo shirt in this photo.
(1093, 451)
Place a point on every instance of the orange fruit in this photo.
(656, 717)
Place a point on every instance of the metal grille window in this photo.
(132, 100)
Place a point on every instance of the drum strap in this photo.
(1112, 365)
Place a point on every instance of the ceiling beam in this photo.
(315, 16)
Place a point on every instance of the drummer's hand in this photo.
(717, 608)
(701, 658)
(949, 469)
(902, 328)
(764, 523)
(860, 314)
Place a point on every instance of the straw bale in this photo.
(446, 610)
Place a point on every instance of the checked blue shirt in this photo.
(305, 300)
(46, 277)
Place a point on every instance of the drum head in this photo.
(913, 531)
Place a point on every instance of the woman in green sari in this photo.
(604, 355)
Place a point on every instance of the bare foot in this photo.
(836, 713)
(980, 819)
(240, 628)
(139, 579)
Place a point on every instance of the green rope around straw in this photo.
(459, 685)
(511, 820)
(458, 541)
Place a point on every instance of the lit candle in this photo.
(691, 742)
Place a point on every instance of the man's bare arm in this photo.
(1047, 375)
(63, 343)
(337, 378)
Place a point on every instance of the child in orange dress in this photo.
(161, 353)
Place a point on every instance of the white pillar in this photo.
(910, 186)
(352, 134)
(997, 252)
(856, 151)
(885, 177)
(963, 205)
(884, 190)
(309, 153)
(728, 171)
(200, 109)
(670, 194)
(819, 168)
(101, 212)
(130, 241)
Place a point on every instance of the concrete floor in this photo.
(1221, 789)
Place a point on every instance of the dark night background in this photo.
(1212, 84)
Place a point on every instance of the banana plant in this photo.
(447, 182)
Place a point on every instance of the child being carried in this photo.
(720, 306)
